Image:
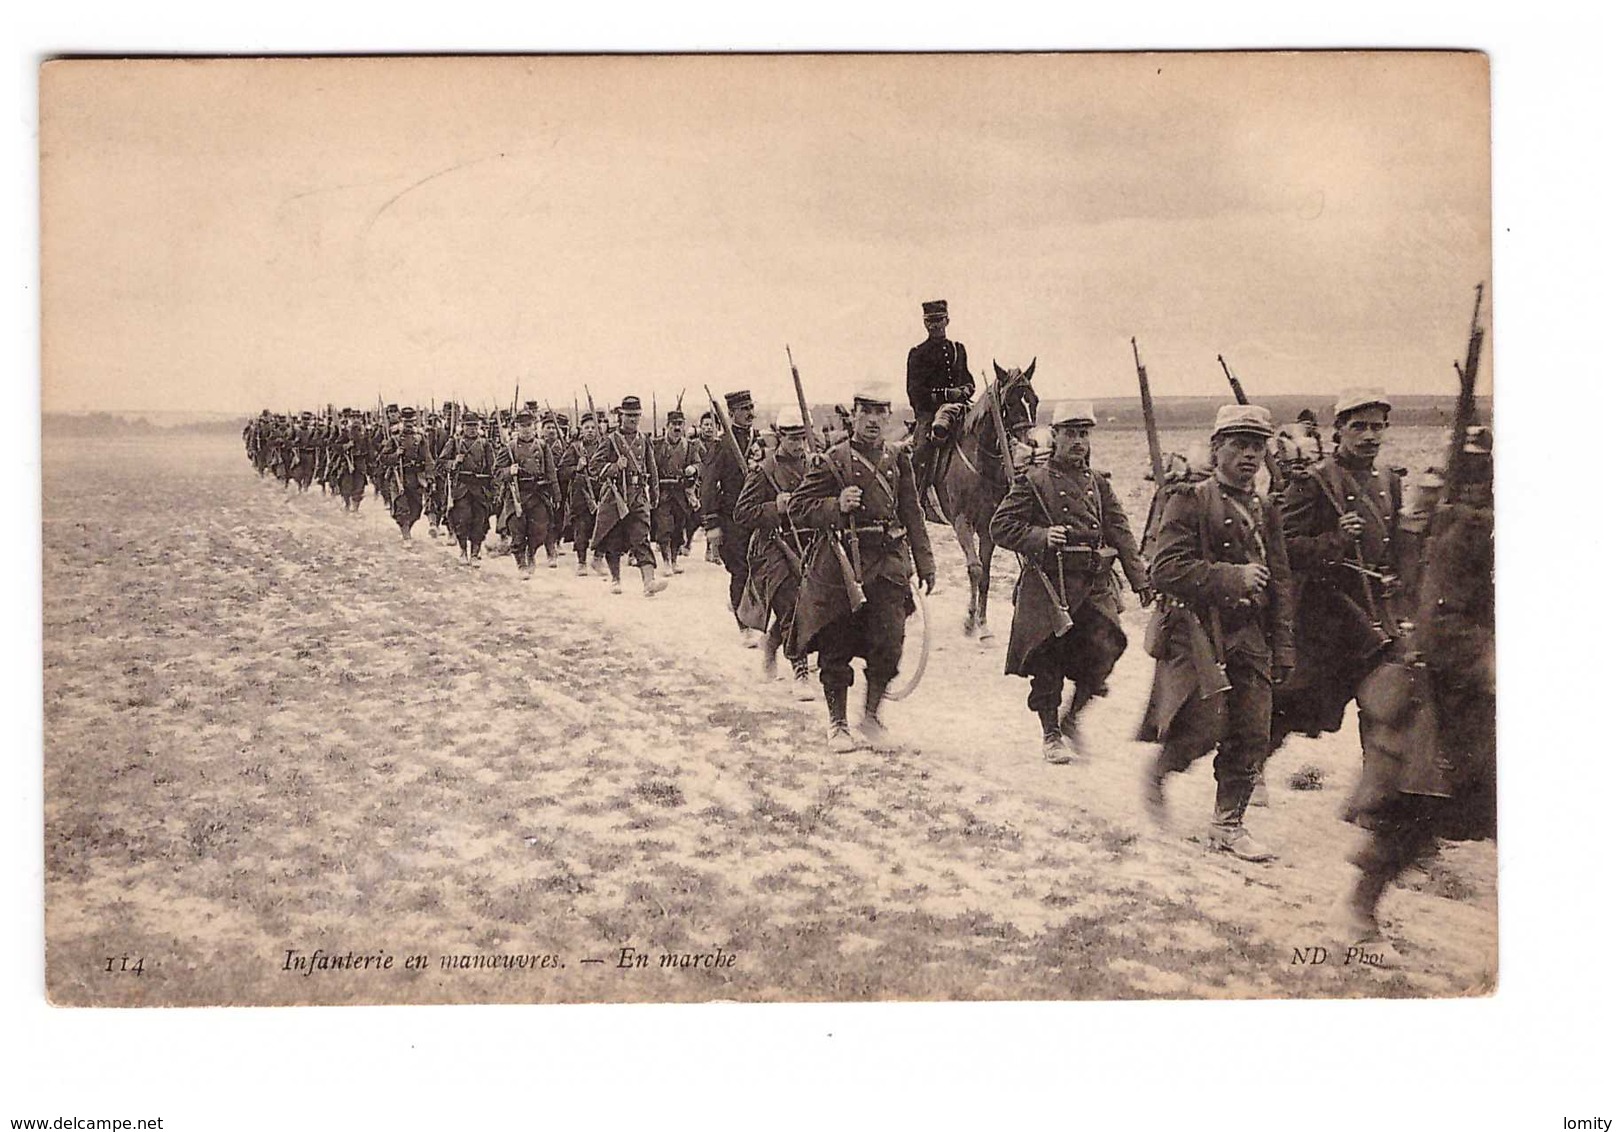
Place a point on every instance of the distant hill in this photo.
(1112, 412)
(1199, 412)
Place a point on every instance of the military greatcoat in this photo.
(1083, 502)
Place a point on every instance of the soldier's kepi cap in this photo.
(935, 308)
(472, 418)
(524, 417)
(1355, 399)
(408, 413)
(872, 392)
(739, 399)
(790, 421)
(1080, 415)
(1243, 420)
(675, 416)
(631, 404)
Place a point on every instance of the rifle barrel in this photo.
(1156, 464)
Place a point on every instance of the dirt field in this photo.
(272, 729)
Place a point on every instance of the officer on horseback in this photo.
(938, 378)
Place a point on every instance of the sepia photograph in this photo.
(793, 528)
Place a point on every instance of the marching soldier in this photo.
(1341, 525)
(574, 473)
(937, 376)
(408, 467)
(1430, 740)
(723, 479)
(529, 459)
(678, 461)
(437, 434)
(303, 446)
(863, 498)
(1069, 529)
(709, 435)
(468, 462)
(623, 463)
(1221, 635)
(777, 548)
(353, 459)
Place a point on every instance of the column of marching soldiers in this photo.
(1271, 611)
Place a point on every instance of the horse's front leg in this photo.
(983, 590)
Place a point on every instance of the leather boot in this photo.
(802, 680)
(1070, 722)
(651, 583)
(840, 741)
(1053, 748)
(872, 728)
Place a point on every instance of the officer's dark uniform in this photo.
(937, 374)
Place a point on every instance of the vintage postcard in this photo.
(768, 528)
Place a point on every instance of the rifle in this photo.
(612, 482)
(1464, 409)
(1275, 482)
(399, 471)
(1156, 464)
(512, 454)
(1056, 596)
(849, 559)
(450, 476)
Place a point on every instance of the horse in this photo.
(973, 480)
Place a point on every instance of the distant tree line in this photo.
(120, 425)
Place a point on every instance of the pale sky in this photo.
(229, 235)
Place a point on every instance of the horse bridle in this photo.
(999, 400)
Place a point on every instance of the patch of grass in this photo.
(1308, 777)
(659, 793)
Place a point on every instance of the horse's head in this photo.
(1013, 392)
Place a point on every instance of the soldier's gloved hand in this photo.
(1352, 523)
(782, 503)
(850, 499)
(1146, 596)
(1056, 536)
(926, 578)
(690, 470)
(622, 463)
(1255, 577)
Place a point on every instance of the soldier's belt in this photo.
(1087, 558)
(893, 532)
